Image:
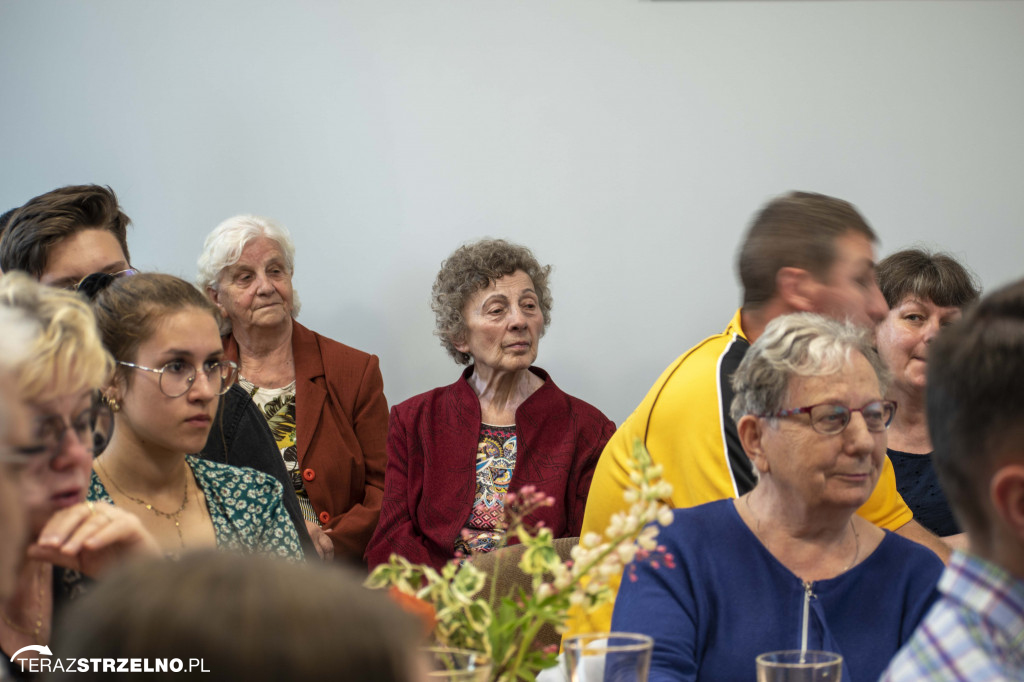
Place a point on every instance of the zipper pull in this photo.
(808, 595)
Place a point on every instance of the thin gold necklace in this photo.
(856, 536)
(173, 516)
(33, 632)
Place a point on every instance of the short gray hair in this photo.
(224, 245)
(802, 344)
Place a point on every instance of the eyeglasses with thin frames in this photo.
(830, 419)
(177, 376)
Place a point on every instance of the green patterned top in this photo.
(245, 507)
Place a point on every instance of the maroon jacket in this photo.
(341, 423)
(431, 476)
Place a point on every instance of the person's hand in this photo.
(323, 544)
(90, 537)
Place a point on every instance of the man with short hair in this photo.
(803, 252)
(67, 234)
(975, 400)
(63, 236)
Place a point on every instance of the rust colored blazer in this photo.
(431, 478)
(341, 424)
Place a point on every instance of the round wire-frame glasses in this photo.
(177, 376)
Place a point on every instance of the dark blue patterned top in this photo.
(919, 486)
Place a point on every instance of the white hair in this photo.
(224, 245)
(800, 344)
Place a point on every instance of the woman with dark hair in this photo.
(925, 293)
(455, 451)
(170, 372)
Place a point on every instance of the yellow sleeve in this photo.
(680, 423)
(885, 508)
(611, 479)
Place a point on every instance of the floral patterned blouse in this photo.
(495, 462)
(245, 507)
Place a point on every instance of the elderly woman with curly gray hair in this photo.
(454, 452)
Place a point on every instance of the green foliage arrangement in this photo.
(505, 634)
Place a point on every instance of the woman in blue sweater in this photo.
(789, 565)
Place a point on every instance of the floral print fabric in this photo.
(495, 462)
(245, 507)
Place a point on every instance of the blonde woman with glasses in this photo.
(55, 424)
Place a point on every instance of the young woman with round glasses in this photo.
(170, 373)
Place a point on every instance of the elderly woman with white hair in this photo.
(324, 401)
(789, 565)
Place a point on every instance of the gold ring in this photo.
(91, 505)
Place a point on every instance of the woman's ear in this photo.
(797, 288)
(751, 431)
(1007, 493)
(110, 397)
(460, 343)
(214, 296)
(114, 391)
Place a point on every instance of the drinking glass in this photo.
(608, 657)
(799, 666)
(447, 663)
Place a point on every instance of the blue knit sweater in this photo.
(729, 600)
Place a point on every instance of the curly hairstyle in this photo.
(471, 268)
(66, 356)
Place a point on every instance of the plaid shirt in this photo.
(974, 633)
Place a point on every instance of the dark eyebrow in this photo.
(116, 266)
(65, 283)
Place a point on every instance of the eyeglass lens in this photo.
(177, 377)
(831, 419)
(92, 427)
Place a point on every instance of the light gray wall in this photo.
(626, 142)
